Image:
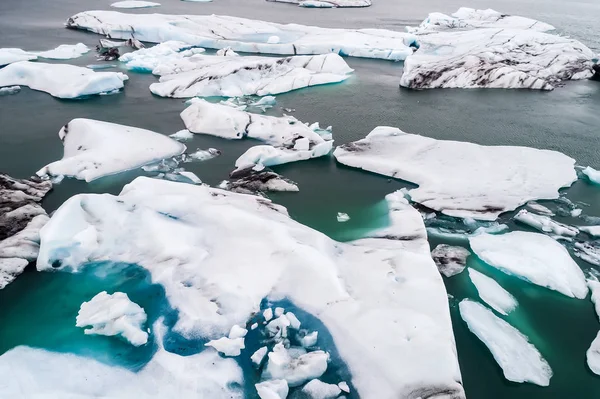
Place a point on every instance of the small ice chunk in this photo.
(113, 315)
(545, 224)
(272, 389)
(64, 52)
(344, 386)
(279, 311)
(237, 332)
(302, 144)
(295, 370)
(588, 251)
(254, 326)
(265, 102)
(204, 155)
(192, 177)
(182, 135)
(592, 174)
(519, 359)
(533, 257)
(576, 212)
(450, 260)
(539, 208)
(258, 356)
(5, 91)
(227, 346)
(294, 322)
(273, 40)
(268, 314)
(316, 389)
(594, 231)
(278, 327)
(492, 293)
(309, 340)
(342, 217)
(134, 4)
(227, 52)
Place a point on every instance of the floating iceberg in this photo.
(10, 55)
(593, 355)
(450, 260)
(588, 251)
(64, 52)
(250, 181)
(113, 314)
(209, 75)
(492, 293)
(519, 359)
(282, 364)
(59, 80)
(219, 254)
(327, 3)
(134, 4)
(533, 257)
(273, 389)
(316, 389)
(486, 49)
(594, 231)
(95, 149)
(545, 224)
(231, 345)
(267, 155)
(461, 179)
(247, 35)
(21, 218)
(342, 217)
(147, 59)
(592, 174)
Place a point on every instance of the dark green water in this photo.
(39, 309)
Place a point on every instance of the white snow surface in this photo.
(492, 293)
(134, 4)
(10, 55)
(545, 223)
(64, 52)
(184, 236)
(247, 35)
(461, 179)
(147, 59)
(519, 359)
(317, 389)
(533, 257)
(113, 314)
(212, 75)
(93, 149)
(592, 174)
(486, 49)
(61, 80)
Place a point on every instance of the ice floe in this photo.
(249, 181)
(327, 3)
(461, 179)
(450, 260)
(10, 55)
(273, 389)
(21, 218)
(134, 4)
(519, 359)
(93, 149)
(267, 155)
(219, 254)
(231, 345)
(492, 293)
(296, 370)
(486, 49)
(182, 135)
(247, 35)
(316, 389)
(147, 59)
(533, 257)
(113, 314)
(545, 224)
(60, 80)
(592, 174)
(64, 52)
(588, 251)
(209, 75)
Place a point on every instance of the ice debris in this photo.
(231, 345)
(545, 224)
(519, 359)
(593, 175)
(316, 389)
(6, 91)
(147, 59)
(134, 4)
(461, 179)
(492, 293)
(113, 314)
(588, 251)
(61, 80)
(342, 217)
(296, 370)
(594, 231)
(272, 389)
(93, 149)
(450, 260)
(533, 257)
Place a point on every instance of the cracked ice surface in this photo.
(247, 35)
(209, 75)
(184, 236)
(60, 80)
(93, 149)
(486, 49)
(461, 179)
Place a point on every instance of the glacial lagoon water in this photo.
(39, 309)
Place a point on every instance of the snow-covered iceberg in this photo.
(450, 260)
(113, 314)
(267, 155)
(95, 149)
(327, 3)
(60, 80)
(461, 179)
(147, 59)
(492, 293)
(486, 49)
(247, 35)
(519, 359)
(21, 218)
(134, 4)
(219, 254)
(533, 257)
(546, 224)
(209, 75)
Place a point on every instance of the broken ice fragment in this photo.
(258, 356)
(450, 260)
(316, 389)
(588, 251)
(545, 224)
(272, 389)
(296, 371)
(342, 217)
(492, 293)
(182, 135)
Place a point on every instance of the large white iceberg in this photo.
(533, 257)
(219, 254)
(95, 149)
(492, 293)
(461, 179)
(486, 49)
(113, 314)
(519, 359)
(247, 35)
(60, 80)
(209, 75)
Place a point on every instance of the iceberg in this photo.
(113, 314)
(231, 345)
(342, 217)
(545, 224)
(593, 353)
(147, 59)
(60, 80)
(327, 3)
(316, 389)
(250, 181)
(247, 35)
(219, 254)
(449, 259)
(492, 293)
(588, 251)
(267, 155)
(593, 175)
(594, 286)
(6, 91)
(282, 364)
(258, 356)
(461, 179)
(94, 149)
(533, 257)
(519, 359)
(10, 55)
(21, 218)
(64, 52)
(182, 135)
(486, 49)
(209, 75)
(272, 389)
(134, 4)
